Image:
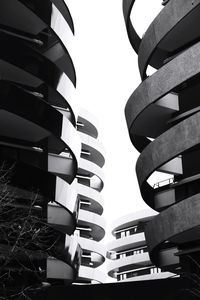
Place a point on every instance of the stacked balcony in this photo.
(163, 121)
(90, 181)
(39, 145)
(129, 251)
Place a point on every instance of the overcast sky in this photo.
(107, 74)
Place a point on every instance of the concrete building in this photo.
(50, 159)
(163, 121)
(129, 252)
(90, 229)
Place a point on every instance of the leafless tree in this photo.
(26, 240)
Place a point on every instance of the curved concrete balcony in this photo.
(18, 68)
(184, 231)
(92, 149)
(171, 191)
(66, 196)
(58, 270)
(61, 165)
(164, 36)
(93, 221)
(88, 169)
(33, 30)
(37, 128)
(166, 39)
(132, 219)
(182, 62)
(96, 250)
(87, 123)
(55, 85)
(154, 276)
(65, 271)
(27, 179)
(63, 213)
(63, 202)
(20, 109)
(86, 275)
(184, 130)
(90, 195)
(160, 112)
(64, 165)
(128, 242)
(134, 38)
(36, 9)
(128, 263)
(62, 6)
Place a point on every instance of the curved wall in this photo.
(163, 121)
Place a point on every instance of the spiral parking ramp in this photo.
(89, 184)
(40, 148)
(163, 121)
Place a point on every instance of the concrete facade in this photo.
(90, 228)
(163, 121)
(50, 158)
(129, 252)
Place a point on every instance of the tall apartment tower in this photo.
(129, 252)
(50, 160)
(163, 121)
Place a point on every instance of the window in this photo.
(123, 234)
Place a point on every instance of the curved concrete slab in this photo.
(96, 151)
(93, 221)
(129, 263)
(167, 33)
(91, 274)
(88, 124)
(133, 219)
(182, 68)
(91, 195)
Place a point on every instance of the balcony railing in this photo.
(164, 182)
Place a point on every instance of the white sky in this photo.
(107, 74)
